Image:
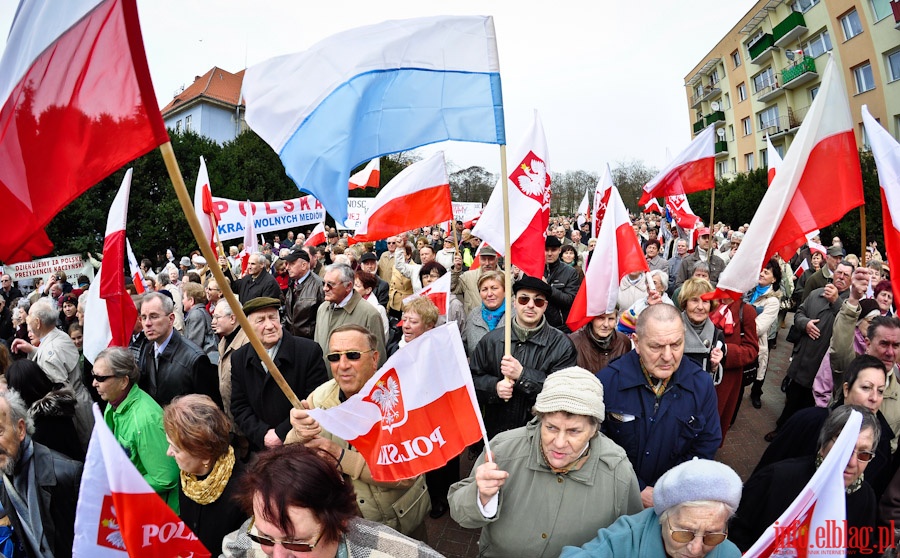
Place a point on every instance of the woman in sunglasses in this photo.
(770, 490)
(301, 506)
(692, 503)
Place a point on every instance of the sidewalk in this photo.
(743, 447)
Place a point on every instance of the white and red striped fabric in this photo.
(118, 514)
(368, 177)
(529, 205)
(681, 211)
(653, 207)
(406, 423)
(251, 244)
(617, 254)
(203, 206)
(137, 276)
(887, 159)
(317, 235)
(823, 152)
(773, 158)
(816, 247)
(419, 196)
(77, 104)
(804, 265)
(601, 200)
(583, 210)
(438, 293)
(692, 170)
(110, 315)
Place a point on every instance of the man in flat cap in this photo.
(260, 409)
(564, 283)
(369, 262)
(508, 385)
(304, 295)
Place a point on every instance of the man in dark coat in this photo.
(42, 514)
(7, 290)
(564, 283)
(257, 282)
(260, 409)
(303, 296)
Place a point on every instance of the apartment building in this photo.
(761, 77)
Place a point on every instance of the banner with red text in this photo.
(267, 216)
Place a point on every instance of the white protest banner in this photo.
(72, 264)
(267, 216)
(466, 211)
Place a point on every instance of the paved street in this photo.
(743, 446)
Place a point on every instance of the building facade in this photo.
(211, 106)
(761, 78)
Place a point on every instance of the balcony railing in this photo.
(805, 67)
(698, 125)
(761, 48)
(791, 28)
(769, 92)
(707, 92)
(721, 147)
(713, 117)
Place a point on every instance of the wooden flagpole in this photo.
(863, 255)
(507, 271)
(187, 206)
(712, 214)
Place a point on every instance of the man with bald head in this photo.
(660, 407)
(257, 282)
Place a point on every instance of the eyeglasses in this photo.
(864, 456)
(101, 379)
(523, 300)
(293, 546)
(684, 537)
(351, 355)
(330, 285)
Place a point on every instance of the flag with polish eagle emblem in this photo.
(118, 514)
(680, 210)
(368, 177)
(653, 207)
(405, 423)
(529, 205)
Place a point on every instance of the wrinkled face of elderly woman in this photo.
(693, 531)
(564, 438)
(859, 459)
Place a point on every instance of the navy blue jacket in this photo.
(684, 424)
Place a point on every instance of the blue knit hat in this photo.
(697, 480)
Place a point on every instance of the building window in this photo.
(742, 92)
(865, 137)
(764, 79)
(721, 168)
(880, 9)
(698, 91)
(893, 64)
(736, 58)
(804, 5)
(734, 165)
(748, 161)
(769, 119)
(714, 77)
(187, 123)
(813, 91)
(865, 81)
(897, 125)
(764, 157)
(726, 101)
(818, 45)
(851, 25)
(748, 127)
(731, 132)
(178, 127)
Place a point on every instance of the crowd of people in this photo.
(603, 440)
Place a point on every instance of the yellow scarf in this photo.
(208, 490)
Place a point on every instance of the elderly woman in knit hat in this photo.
(692, 503)
(552, 482)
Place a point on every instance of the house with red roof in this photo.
(211, 106)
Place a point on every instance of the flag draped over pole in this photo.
(419, 196)
(352, 97)
(583, 209)
(601, 200)
(887, 159)
(203, 205)
(110, 314)
(529, 205)
(617, 254)
(693, 170)
(773, 160)
(405, 423)
(823, 152)
(316, 236)
(653, 207)
(251, 244)
(77, 104)
(368, 177)
(137, 276)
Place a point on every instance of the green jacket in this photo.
(137, 424)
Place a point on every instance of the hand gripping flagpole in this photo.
(188, 208)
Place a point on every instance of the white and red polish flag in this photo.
(529, 205)
(110, 315)
(886, 151)
(203, 206)
(583, 210)
(405, 423)
(681, 211)
(118, 514)
(816, 247)
(419, 196)
(251, 244)
(137, 276)
(316, 236)
(653, 207)
(438, 293)
(820, 506)
(823, 152)
(601, 200)
(692, 170)
(76, 103)
(368, 177)
(773, 158)
(804, 265)
(617, 254)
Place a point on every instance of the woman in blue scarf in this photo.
(489, 315)
(766, 298)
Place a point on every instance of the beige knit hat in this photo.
(574, 390)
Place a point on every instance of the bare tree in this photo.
(629, 177)
(473, 184)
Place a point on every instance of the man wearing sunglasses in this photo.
(260, 409)
(508, 385)
(353, 356)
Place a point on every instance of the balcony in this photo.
(713, 117)
(761, 49)
(698, 126)
(790, 29)
(800, 72)
(769, 92)
(721, 148)
(708, 92)
(785, 125)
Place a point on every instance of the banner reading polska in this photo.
(267, 216)
(406, 421)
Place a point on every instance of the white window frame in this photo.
(768, 118)
(851, 24)
(763, 79)
(178, 126)
(821, 41)
(864, 77)
(721, 168)
(748, 161)
(747, 126)
(885, 5)
(892, 61)
(742, 91)
(799, 4)
(188, 123)
(736, 58)
(813, 91)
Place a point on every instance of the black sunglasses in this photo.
(351, 355)
(101, 379)
(293, 546)
(538, 302)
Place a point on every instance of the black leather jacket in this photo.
(183, 368)
(301, 304)
(565, 282)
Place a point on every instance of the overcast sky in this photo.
(606, 77)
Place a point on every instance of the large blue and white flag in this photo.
(376, 90)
